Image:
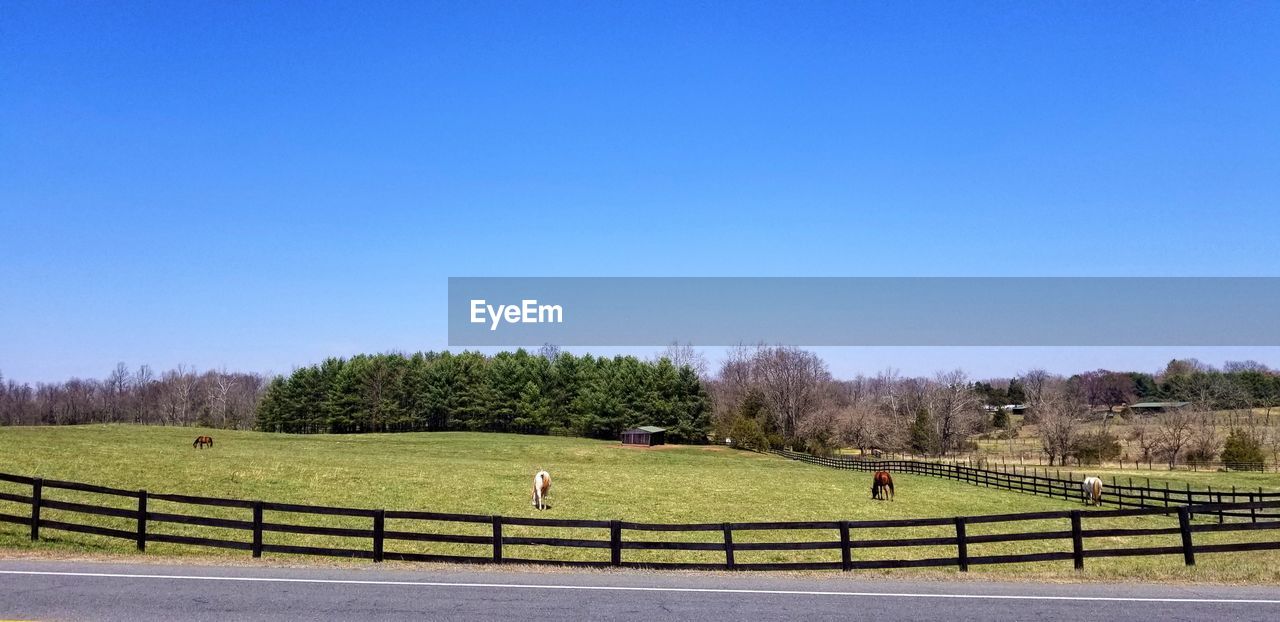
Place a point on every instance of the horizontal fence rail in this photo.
(1038, 481)
(846, 540)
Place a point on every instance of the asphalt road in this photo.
(47, 590)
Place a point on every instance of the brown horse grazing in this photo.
(201, 441)
(879, 482)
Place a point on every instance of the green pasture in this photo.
(492, 473)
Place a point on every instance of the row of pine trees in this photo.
(508, 392)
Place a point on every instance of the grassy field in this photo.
(490, 474)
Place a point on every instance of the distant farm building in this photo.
(647, 436)
(1157, 407)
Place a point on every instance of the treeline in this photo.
(769, 397)
(1237, 385)
(546, 393)
(772, 397)
(759, 397)
(179, 396)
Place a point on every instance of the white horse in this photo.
(1092, 489)
(541, 486)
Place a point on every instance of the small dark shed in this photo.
(644, 435)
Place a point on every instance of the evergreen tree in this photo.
(924, 439)
(1242, 450)
(1016, 394)
(1000, 419)
(510, 391)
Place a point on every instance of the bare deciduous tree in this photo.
(728, 389)
(1059, 423)
(1272, 439)
(1205, 441)
(954, 408)
(863, 426)
(792, 380)
(144, 389)
(117, 391)
(219, 387)
(1147, 440)
(179, 397)
(685, 356)
(1035, 385)
(818, 429)
(1175, 428)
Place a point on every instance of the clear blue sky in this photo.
(260, 185)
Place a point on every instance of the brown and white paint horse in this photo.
(201, 441)
(879, 483)
(541, 486)
(1092, 489)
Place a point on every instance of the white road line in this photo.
(624, 588)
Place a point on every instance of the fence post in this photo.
(728, 547)
(846, 555)
(142, 520)
(257, 529)
(1077, 540)
(37, 487)
(1253, 512)
(497, 539)
(1184, 524)
(615, 542)
(962, 546)
(379, 530)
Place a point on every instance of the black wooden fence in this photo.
(847, 538)
(1040, 482)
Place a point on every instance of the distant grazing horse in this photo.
(1092, 489)
(879, 482)
(541, 486)
(201, 441)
